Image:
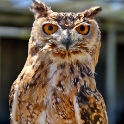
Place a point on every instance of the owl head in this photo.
(67, 36)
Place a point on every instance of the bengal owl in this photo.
(57, 84)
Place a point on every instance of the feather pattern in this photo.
(57, 84)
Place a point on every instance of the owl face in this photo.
(65, 30)
(71, 33)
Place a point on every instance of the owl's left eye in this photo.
(83, 29)
(50, 28)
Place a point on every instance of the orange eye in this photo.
(83, 29)
(50, 28)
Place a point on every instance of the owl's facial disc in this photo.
(66, 36)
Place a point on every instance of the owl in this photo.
(57, 84)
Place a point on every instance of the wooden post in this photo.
(111, 73)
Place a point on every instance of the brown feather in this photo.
(57, 85)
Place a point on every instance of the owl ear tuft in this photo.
(92, 12)
(40, 9)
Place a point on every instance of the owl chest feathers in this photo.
(65, 80)
(53, 90)
(66, 76)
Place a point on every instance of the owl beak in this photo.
(67, 42)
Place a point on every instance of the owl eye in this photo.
(50, 28)
(83, 29)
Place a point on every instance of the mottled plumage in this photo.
(57, 84)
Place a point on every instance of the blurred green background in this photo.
(15, 26)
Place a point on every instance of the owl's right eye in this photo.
(50, 28)
(83, 29)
